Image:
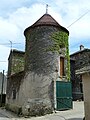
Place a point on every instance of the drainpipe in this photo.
(55, 100)
(57, 76)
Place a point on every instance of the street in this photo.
(77, 113)
(3, 117)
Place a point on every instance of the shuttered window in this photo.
(61, 66)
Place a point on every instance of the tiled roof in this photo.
(48, 20)
(80, 51)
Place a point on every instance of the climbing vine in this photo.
(60, 39)
(18, 64)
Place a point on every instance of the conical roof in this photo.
(48, 20)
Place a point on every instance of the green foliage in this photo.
(60, 39)
(18, 64)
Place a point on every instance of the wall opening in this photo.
(14, 94)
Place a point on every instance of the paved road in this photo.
(77, 113)
(3, 117)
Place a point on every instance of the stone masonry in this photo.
(36, 92)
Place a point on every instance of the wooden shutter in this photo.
(61, 66)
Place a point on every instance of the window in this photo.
(14, 94)
(61, 66)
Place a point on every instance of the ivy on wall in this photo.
(59, 44)
(18, 64)
(60, 39)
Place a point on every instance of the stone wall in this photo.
(81, 59)
(41, 70)
(37, 92)
(16, 62)
(72, 69)
(13, 83)
(38, 41)
(35, 89)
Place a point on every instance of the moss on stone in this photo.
(14, 108)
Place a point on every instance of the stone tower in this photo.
(42, 63)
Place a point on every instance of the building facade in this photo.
(85, 72)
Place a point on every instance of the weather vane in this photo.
(46, 8)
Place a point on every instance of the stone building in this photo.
(32, 91)
(84, 71)
(16, 62)
(78, 60)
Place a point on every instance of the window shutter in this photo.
(61, 66)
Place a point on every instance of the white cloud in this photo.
(10, 6)
(4, 57)
(24, 17)
(8, 31)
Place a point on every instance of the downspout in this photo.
(57, 75)
(55, 99)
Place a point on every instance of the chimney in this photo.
(81, 47)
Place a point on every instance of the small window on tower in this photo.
(14, 94)
(61, 66)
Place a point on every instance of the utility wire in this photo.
(78, 18)
(11, 44)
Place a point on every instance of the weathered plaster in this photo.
(86, 90)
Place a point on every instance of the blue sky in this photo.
(16, 15)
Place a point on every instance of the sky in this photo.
(16, 15)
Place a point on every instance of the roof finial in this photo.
(46, 8)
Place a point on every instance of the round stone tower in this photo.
(41, 64)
